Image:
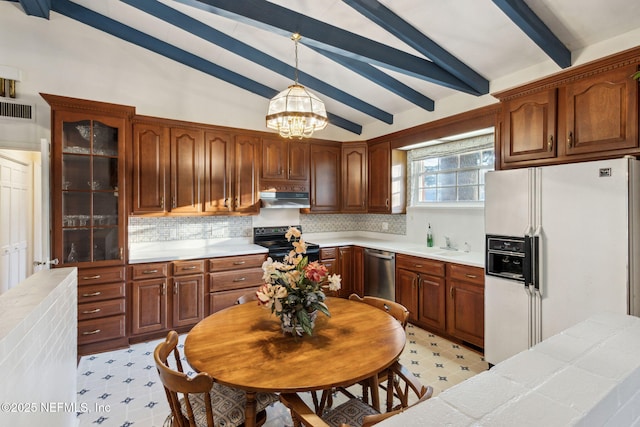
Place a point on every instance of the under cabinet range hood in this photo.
(284, 199)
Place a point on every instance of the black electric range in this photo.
(273, 239)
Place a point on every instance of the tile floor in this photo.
(122, 389)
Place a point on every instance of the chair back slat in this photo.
(176, 381)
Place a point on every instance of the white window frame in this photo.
(443, 150)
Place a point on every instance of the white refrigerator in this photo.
(587, 220)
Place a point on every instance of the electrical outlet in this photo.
(385, 226)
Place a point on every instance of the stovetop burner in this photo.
(273, 238)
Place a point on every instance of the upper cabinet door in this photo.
(298, 163)
(218, 152)
(529, 127)
(285, 160)
(354, 177)
(602, 112)
(325, 178)
(380, 178)
(246, 163)
(150, 156)
(274, 159)
(186, 158)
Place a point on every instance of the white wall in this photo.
(461, 224)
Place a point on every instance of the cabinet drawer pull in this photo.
(417, 265)
(471, 276)
(95, 294)
(550, 143)
(163, 290)
(239, 262)
(240, 279)
(150, 271)
(570, 140)
(97, 331)
(191, 267)
(451, 292)
(97, 276)
(97, 310)
(175, 288)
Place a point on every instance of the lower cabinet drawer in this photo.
(88, 276)
(224, 299)
(92, 293)
(238, 279)
(102, 329)
(93, 310)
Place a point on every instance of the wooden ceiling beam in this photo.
(136, 37)
(205, 32)
(391, 22)
(532, 26)
(270, 16)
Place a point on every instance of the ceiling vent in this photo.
(14, 110)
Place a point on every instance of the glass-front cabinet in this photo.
(88, 198)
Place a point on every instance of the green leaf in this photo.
(636, 75)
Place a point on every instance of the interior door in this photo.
(14, 225)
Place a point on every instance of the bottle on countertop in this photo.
(429, 237)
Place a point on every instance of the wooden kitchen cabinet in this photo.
(149, 157)
(601, 113)
(529, 127)
(354, 177)
(161, 300)
(588, 112)
(218, 172)
(101, 309)
(231, 277)
(88, 221)
(186, 146)
(192, 170)
(325, 170)
(465, 303)
(348, 262)
(420, 286)
(246, 164)
(386, 179)
(284, 161)
(148, 297)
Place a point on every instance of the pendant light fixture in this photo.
(295, 112)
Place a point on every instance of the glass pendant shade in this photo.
(296, 113)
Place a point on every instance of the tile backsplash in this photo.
(155, 229)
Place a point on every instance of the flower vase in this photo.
(289, 323)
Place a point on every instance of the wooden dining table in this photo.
(243, 346)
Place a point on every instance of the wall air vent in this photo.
(12, 110)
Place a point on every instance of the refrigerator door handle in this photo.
(527, 262)
(535, 261)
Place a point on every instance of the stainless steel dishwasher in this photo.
(380, 274)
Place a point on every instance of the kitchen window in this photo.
(450, 171)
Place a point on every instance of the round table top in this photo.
(243, 346)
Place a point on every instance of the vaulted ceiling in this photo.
(367, 59)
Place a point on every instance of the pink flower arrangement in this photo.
(293, 289)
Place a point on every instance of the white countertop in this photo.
(212, 248)
(475, 259)
(191, 249)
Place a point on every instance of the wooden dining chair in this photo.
(203, 402)
(407, 391)
(247, 297)
(398, 312)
